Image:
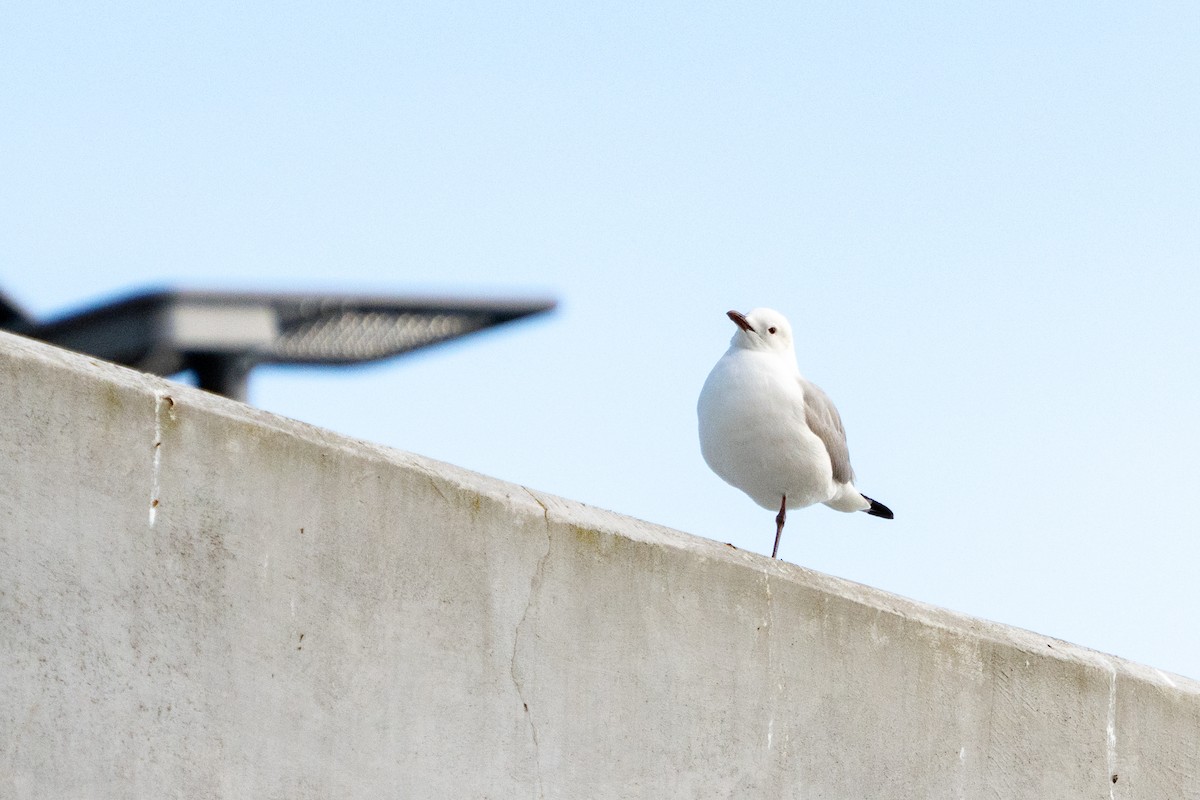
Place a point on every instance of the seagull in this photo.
(766, 430)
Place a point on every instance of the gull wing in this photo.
(823, 420)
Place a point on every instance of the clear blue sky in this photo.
(982, 219)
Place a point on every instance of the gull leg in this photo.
(780, 518)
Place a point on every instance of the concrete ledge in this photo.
(198, 599)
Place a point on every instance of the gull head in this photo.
(762, 329)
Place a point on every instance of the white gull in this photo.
(769, 432)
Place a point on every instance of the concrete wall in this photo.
(198, 599)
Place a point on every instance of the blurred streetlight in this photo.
(222, 336)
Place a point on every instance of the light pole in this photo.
(222, 336)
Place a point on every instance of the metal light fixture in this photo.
(222, 336)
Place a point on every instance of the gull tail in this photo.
(878, 509)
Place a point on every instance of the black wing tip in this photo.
(878, 509)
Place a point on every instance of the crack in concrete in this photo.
(545, 509)
(767, 628)
(1112, 731)
(535, 584)
(160, 399)
(434, 485)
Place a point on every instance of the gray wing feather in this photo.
(823, 420)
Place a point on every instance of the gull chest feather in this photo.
(753, 433)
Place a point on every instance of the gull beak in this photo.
(739, 319)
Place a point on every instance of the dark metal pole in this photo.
(226, 375)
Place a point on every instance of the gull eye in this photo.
(771, 330)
